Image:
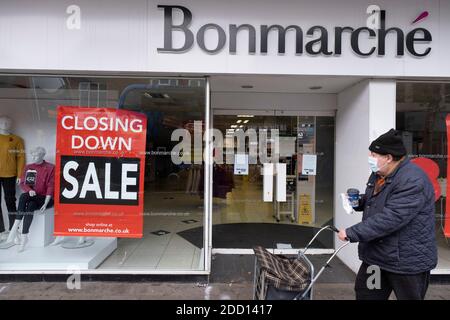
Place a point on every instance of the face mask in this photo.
(373, 164)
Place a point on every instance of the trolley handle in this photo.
(329, 227)
(337, 231)
(314, 278)
(333, 228)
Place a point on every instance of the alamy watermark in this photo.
(74, 280)
(261, 146)
(374, 280)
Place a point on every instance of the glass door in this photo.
(280, 196)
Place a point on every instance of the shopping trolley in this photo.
(278, 277)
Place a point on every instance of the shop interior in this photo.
(241, 219)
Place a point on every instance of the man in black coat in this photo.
(397, 232)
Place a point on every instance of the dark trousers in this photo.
(9, 188)
(405, 287)
(27, 206)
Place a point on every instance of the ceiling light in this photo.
(245, 116)
(239, 121)
(246, 121)
(241, 126)
(233, 126)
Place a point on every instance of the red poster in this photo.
(99, 179)
(447, 201)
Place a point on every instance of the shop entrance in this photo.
(243, 213)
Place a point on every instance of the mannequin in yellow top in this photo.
(12, 162)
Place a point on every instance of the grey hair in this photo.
(39, 150)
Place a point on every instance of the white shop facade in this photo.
(330, 76)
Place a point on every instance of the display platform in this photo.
(57, 257)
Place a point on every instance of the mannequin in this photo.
(82, 242)
(37, 184)
(12, 161)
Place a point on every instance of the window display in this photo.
(96, 190)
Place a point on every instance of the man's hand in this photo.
(32, 193)
(342, 235)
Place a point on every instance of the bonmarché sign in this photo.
(318, 44)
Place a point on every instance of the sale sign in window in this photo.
(99, 180)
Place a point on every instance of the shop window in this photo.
(107, 196)
(423, 111)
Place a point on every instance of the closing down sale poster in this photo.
(99, 180)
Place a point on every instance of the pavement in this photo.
(231, 279)
(91, 290)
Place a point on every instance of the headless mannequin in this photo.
(9, 176)
(29, 202)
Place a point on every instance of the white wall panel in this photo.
(120, 35)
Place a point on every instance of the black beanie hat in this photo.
(390, 142)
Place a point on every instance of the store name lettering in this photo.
(318, 43)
